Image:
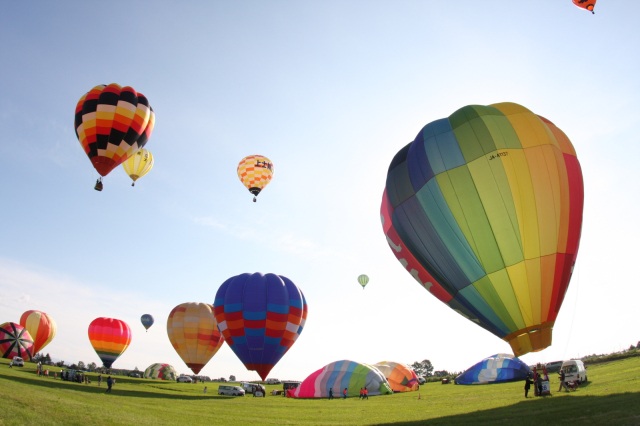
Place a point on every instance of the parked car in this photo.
(255, 389)
(421, 380)
(184, 379)
(17, 361)
(272, 381)
(554, 366)
(230, 390)
(574, 371)
(137, 374)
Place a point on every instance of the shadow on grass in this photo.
(52, 383)
(618, 409)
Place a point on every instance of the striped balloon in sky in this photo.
(112, 123)
(260, 317)
(484, 209)
(193, 332)
(109, 337)
(41, 327)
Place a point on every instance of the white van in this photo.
(574, 371)
(230, 390)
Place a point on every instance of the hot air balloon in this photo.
(15, 340)
(112, 123)
(161, 372)
(343, 374)
(255, 172)
(260, 317)
(138, 164)
(586, 4)
(498, 368)
(147, 321)
(484, 209)
(41, 327)
(193, 332)
(401, 377)
(363, 280)
(110, 338)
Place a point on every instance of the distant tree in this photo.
(60, 363)
(422, 368)
(92, 366)
(47, 358)
(81, 365)
(232, 378)
(441, 373)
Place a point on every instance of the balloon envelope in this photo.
(138, 165)
(112, 123)
(363, 280)
(255, 172)
(484, 209)
(400, 376)
(41, 327)
(260, 317)
(193, 332)
(343, 374)
(109, 337)
(147, 321)
(161, 372)
(586, 4)
(495, 369)
(15, 340)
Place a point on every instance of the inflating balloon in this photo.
(193, 332)
(15, 340)
(138, 165)
(147, 321)
(363, 280)
(260, 317)
(161, 372)
(41, 327)
(586, 4)
(112, 123)
(484, 209)
(255, 172)
(110, 338)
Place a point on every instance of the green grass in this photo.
(612, 396)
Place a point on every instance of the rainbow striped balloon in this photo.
(484, 209)
(110, 338)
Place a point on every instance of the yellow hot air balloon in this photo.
(41, 327)
(193, 332)
(255, 172)
(138, 164)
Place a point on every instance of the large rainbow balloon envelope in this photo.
(41, 327)
(193, 332)
(112, 123)
(15, 340)
(260, 317)
(109, 337)
(484, 209)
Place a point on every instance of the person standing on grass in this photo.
(109, 384)
(344, 393)
(365, 393)
(330, 393)
(527, 385)
(99, 379)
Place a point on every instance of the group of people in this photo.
(537, 379)
(364, 393)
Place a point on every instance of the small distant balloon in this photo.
(138, 165)
(255, 172)
(363, 280)
(147, 321)
(585, 4)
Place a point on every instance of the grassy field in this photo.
(611, 397)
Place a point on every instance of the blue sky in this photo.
(329, 91)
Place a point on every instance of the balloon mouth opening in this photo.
(530, 339)
(255, 191)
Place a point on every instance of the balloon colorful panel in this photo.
(260, 317)
(255, 172)
(193, 331)
(112, 123)
(110, 338)
(41, 327)
(484, 209)
(497, 368)
(340, 375)
(400, 376)
(15, 340)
